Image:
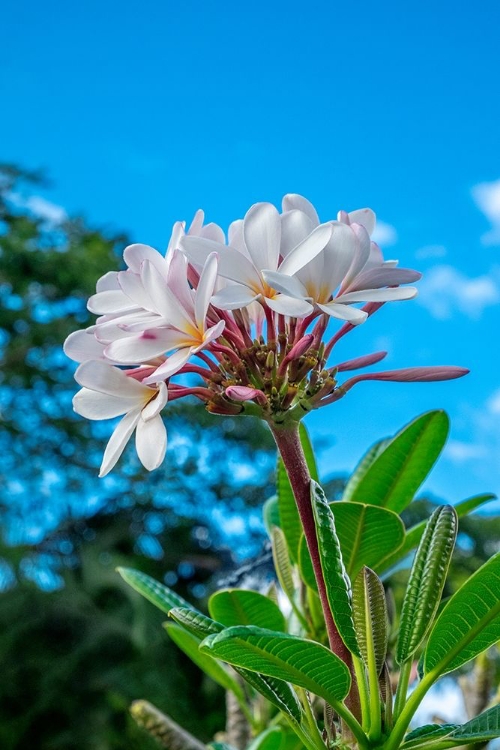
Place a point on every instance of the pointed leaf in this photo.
(244, 607)
(370, 617)
(304, 663)
(190, 645)
(277, 692)
(271, 514)
(414, 534)
(161, 596)
(337, 583)
(469, 623)
(282, 563)
(395, 475)
(306, 569)
(427, 579)
(482, 728)
(367, 534)
(427, 734)
(362, 467)
(288, 513)
(276, 738)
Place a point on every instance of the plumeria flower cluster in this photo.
(248, 316)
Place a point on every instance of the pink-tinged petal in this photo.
(154, 407)
(108, 282)
(359, 362)
(178, 279)
(339, 255)
(197, 224)
(234, 297)
(111, 301)
(211, 335)
(94, 405)
(233, 265)
(343, 216)
(262, 233)
(118, 441)
(135, 255)
(364, 216)
(103, 378)
(151, 442)
(289, 285)
(175, 238)
(360, 258)
(284, 305)
(165, 301)
(294, 201)
(343, 312)
(299, 348)
(136, 350)
(378, 295)
(243, 393)
(295, 227)
(131, 285)
(205, 290)
(173, 364)
(376, 278)
(411, 375)
(81, 346)
(306, 250)
(213, 232)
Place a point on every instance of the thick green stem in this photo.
(406, 715)
(288, 441)
(402, 689)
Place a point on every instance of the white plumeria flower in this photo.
(183, 311)
(108, 392)
(350, 263)
(254, 246)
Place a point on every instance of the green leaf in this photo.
(276, 738)
(288, 513)
(161, 596)
(414, 534)
(367, 534)
(337, 583)
(362, 467)
(271, 514)
(279, 693)
(305, 565)
(287, 657)
(282, 563)
(427, 734)
(470, 622)
(197, 624)
(427, 579)
(394, 476)
(482, 728)
(243, 607)
(190, 645)
(370, 617)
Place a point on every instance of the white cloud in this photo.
(384, 234)
(487, 198)
(430, 251)
(444, 290)
(493, 403)
(40, 207)
(460, 451)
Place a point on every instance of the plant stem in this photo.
(287, 439)
(402, 689)
(406, 715)
(359, 669)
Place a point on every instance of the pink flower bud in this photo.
(411, 375)
(244, 393)
(359, 362)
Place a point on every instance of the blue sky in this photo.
(144, 112)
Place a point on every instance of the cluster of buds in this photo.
(249, 318)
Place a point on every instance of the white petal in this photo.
(111, 301)
(93, 405)
(383, 276)
(233, 297)
(361, 255)
(171, 365)
(104, 378)
(108, 282)
(286, 284)
(364, 216)
(197, 224)
(154, 407)
(151, 442)
(131, 285)
(262, 233)
(343, 312)
(211, 335)
(81, 346)
(306, 250)
(284, 305)
(163, 298)
(178, 279)
(213, 232)
(205, 290)
(137, 349)
(295, 227)
(293, 200)
(175, 237)
(232, 264)
(118, 441)
(379, 295)
(135, 255)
